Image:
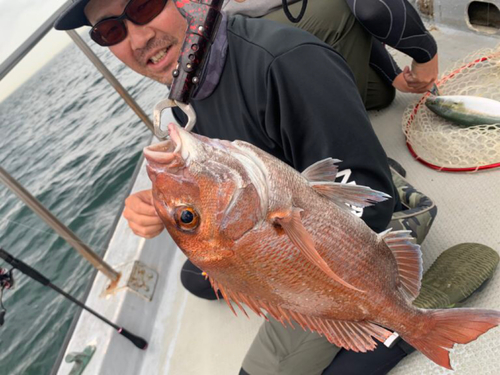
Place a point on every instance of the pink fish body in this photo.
(286, 242)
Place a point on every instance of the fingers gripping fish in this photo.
(286, 242)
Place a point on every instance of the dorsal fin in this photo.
(356, 336)
(409, 259)
(356, 195)
(321, 176)
(323, 170)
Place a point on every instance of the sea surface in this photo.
(74, 144)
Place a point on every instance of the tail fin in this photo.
(453, 326)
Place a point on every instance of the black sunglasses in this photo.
(111, 31)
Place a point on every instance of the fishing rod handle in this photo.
(203, 19)
(24, 268)
(136, 340)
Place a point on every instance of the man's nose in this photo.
(139, 35)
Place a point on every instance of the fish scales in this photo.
(286, 243)
(341, 261)
(465, 110)
(336, 229)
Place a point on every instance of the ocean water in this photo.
(74, 144)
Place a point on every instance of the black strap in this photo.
(289, 15)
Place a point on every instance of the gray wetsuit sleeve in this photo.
(397, 24)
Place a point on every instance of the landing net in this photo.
(441, 145)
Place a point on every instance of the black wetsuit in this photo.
(397, 24)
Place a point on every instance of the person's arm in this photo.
(397, 24)
(315, 113)
(383, 63)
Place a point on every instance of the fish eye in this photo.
(187, 218)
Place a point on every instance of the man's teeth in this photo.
(156, 58)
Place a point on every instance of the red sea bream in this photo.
(286, 242)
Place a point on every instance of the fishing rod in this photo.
(6, 282)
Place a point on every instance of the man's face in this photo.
(152, 49)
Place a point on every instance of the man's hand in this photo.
(141, 215)
(400, 84)
(421, 77)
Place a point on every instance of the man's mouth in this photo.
(159, 56)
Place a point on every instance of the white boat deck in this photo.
(187, 335)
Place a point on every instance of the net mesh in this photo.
(442, 145)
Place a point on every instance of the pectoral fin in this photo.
(292, 225)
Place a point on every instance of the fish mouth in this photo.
(439, 105)
(433, 100)
(433, 103)
(169, 154)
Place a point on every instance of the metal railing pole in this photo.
(16, 57)
(60, 228)
(111, 78)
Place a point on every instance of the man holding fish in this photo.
(294, 97)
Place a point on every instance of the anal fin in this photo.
(358, 336)
(351, 335)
